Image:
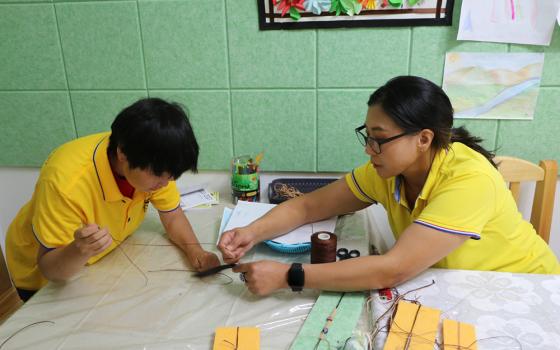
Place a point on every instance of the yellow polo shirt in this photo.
(463, 194)
(76, 187)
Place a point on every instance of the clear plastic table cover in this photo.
(157, 305)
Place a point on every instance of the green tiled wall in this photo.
(68, 67)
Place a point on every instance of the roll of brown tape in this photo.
(323, 247)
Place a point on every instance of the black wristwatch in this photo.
(296, 277)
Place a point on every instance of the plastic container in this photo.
(245, 180)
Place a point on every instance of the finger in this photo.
(237, 241)
(86, 231)
(97, 236)
(241, 268)
(209, 263)
(214, 260)
(92, 228)
(225, 239)
(230, 260)
(226, 253)
(102, 245)
(239, 252)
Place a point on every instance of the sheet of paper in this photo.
(216, 196)
(225, 218)
(507, 21)
(246, 212)
(191, 188)
(193, 199)
(246, 338)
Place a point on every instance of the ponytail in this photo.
(463, 136)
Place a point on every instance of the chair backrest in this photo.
(9, 298)
(515, 171)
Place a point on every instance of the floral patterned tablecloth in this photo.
(509, 310)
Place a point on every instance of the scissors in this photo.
(344, 254)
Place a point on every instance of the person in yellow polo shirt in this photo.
(93, 192)
(447, 204)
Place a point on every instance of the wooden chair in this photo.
(515, 171)
(9, 298)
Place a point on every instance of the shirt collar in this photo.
(430, 180)
(434, 174)
(109, 188)
(397, 188)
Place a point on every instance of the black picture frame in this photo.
(271, 20)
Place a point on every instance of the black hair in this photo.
(415, 103)
(155, 135)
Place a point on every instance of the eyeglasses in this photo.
(373, 143)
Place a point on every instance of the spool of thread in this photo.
(323, 247)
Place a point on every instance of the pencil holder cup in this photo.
(245, 182)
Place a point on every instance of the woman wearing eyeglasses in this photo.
(447, 205)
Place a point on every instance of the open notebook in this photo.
(246, 212)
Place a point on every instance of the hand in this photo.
(202, 260)
(92, 240)
(264, 277)
(235, 243)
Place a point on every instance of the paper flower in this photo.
(290, 5)
(353, 7)
(337, 7)
(350, 7)
(317, 6)
(368, 4)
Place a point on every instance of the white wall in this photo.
(16, 188)
(17, 184)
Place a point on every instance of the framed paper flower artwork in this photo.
(303, 14)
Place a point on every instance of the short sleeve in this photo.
(461, 205)
(55, 216)
(362, 183)
(166, 198)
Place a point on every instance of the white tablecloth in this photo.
(111, 305)
(509, 311)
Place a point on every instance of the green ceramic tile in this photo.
(281, 123)
(33, 124)
(340, 112)
(274, 58)
(430, 44)
(551, 69)
(30, 56)
(534, 139)
(210, 116)
(22, 1)
(94, 111)
(485, 129)
(362, 57)
(184, 44)
(101, 45)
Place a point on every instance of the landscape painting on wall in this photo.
(493, 85)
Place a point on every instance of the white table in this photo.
(111, 304)
(522, 311)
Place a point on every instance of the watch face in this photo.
(296, 277)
